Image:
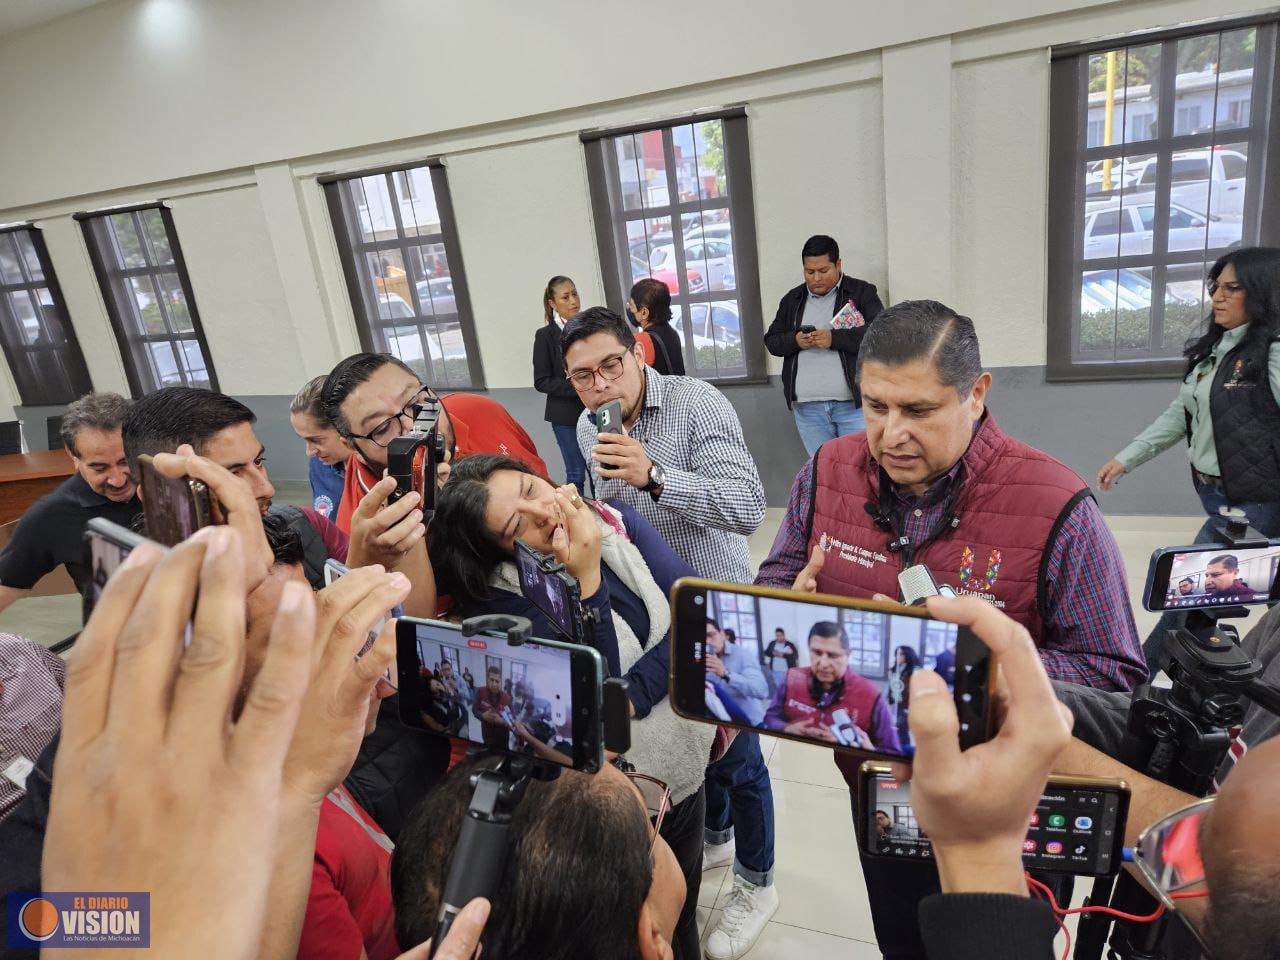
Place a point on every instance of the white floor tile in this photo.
(803, 763)
(816, 870)
(712, 881)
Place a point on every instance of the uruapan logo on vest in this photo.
(983, 585)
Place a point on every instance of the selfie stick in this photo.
(484, 841)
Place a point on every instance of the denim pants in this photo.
(821, 420)
(740, 798)
(575, 468)
(1263, 517)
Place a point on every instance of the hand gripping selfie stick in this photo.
(485, 841)
(1180, 736)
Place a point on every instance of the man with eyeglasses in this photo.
(372, 398)
(682, 462)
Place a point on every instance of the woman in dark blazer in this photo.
(559, 304)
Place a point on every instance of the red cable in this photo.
(1060, 915)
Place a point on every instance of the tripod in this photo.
(1180, 736)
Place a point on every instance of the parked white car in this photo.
(1202, 179)
(713, 257)
(1111, 229)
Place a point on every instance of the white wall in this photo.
(916, 135)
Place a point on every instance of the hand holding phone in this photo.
(975, 804)
(382, 531)
(237, 505)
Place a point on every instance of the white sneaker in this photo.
(745, 914)
(718, 854)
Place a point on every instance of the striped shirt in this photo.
(1090, 634)
(712, 496)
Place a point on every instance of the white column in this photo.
(917, 169)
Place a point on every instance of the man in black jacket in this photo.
(817, 331)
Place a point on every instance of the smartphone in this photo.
(414, 459)
(1077, 827)
(808, 328)
(109, 545)
(542, 697)
(175, 507)
(545, 583)
(844, 691)
(333, 571)
(609, 418)
(1200, 577)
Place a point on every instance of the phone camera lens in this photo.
(966, 698)
(698, 601)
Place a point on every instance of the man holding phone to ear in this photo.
(680, 459)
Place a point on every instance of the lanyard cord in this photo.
(887, 518)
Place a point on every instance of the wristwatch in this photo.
(657, 477)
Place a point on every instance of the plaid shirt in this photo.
(712, 496)
(1091, 637)
(31, 680)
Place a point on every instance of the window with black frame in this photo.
(673, 202)
(1158, 166)
(35, 331)
(144, 282)
(398, 242)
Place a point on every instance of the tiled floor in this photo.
(823, 907)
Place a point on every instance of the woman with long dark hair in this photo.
(560, 303)
(624, 571)
(1228, 408)
(905, 663)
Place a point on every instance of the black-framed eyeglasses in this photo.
(611, 369)
(393, 427)
(1230, 288)
(657, 800)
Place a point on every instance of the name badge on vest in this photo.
(851, 552)
(1237, 377)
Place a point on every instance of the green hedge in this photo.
(1131, 329)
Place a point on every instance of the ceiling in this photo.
(18, 15)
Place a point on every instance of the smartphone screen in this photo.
(551, 593)
(109, 545)
(827, 670)
(609, 418)
(174, 507)
(541, 698)
(1077, 827)
(1199, 577)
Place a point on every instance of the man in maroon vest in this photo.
(828, 700)
(935, 482)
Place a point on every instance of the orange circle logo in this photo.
(38, 919)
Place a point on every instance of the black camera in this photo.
(413, 458)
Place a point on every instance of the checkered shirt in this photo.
(712, 495)
(31, 681)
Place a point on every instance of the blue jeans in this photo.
(740, 796)
(575, 468)
(821, 420)
(1263, 517)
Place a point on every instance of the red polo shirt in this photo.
(480, 425)
(349, 907)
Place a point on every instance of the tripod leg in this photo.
(1091, 933)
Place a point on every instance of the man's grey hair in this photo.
(96, 411)
(925, 330)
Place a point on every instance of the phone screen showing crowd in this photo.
(487, 691)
